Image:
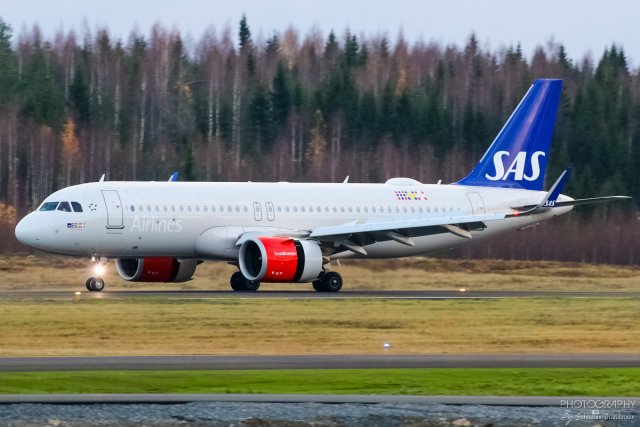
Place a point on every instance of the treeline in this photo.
(292, 106)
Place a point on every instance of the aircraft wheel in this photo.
(317, 285)
(332, 281)
(237, 281)
(95, 284)
(251, 285)
(98, 285)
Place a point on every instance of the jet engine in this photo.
(280, 259)
(156, 269)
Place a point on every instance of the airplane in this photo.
(291, 232)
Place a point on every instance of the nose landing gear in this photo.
(96, 283)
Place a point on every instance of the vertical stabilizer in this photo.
(518, 156)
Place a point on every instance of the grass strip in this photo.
(464, 382)
(166, 326)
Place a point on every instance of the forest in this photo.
(291, 106)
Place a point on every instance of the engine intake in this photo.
(280, 259)
(156, 269)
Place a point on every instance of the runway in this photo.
(309, 295)
(383, 361)
(169, 398)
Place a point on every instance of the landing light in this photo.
(463, 290)
(98, 270)
(78, 293)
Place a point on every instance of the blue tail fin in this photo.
(518, 156)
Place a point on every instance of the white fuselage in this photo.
(204, 220)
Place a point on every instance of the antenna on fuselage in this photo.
(102, 178)
(174, 176)
(346, 180)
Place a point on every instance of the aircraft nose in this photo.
(24, 231)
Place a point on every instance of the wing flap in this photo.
(394, 226)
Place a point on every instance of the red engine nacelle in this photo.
(156, 269)
(280, 259)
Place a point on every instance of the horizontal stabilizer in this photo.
(579, 202)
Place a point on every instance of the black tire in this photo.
(98, 284)
(89, 284)
(251, 285)
(332, 281)
(237, 281)
(317, 285)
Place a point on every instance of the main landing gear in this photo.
(96, 283)
(329, 281)
(241, 284)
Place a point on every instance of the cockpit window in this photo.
(64, 206)
(76, 207)
(49, 206)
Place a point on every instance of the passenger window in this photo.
(286, 209)
(237, 209)
(342, 209)
(64, 206)
(133, 209)
(302, 209)
(49, 206)
(206, 208)
(164, 208)
(279, 208)
(197, 208)
(140, 208)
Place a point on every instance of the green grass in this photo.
(469, 382)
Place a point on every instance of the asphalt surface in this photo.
(387, 295)
(198, 362)
(304, 398)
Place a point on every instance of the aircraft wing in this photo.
(354, 235)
